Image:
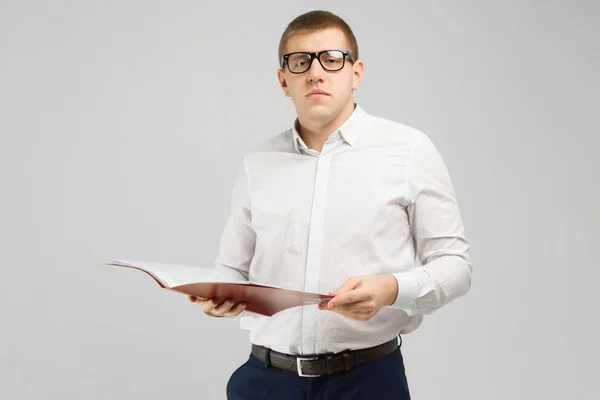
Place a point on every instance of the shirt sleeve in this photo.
(439, 236)
(237, 244)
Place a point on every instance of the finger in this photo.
(362, 316)
(236, 310)
(352, 296)
(207, 305)
(360, 306)
(357, 307)
(350, 284)
(222, 308)
(358, 316)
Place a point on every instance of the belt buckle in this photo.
(299, 366)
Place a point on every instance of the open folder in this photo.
(206, 283)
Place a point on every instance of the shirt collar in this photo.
(349, 131)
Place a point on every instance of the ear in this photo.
(358, 71)
(283, 82)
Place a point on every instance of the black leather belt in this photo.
(324, 364)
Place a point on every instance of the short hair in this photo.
(317, 20)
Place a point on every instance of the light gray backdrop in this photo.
(123, 122)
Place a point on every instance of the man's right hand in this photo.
(213, 308)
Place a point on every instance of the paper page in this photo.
(173, 274)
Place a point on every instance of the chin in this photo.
(318, 111)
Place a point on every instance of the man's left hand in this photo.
(361, 297)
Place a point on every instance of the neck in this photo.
(315, 132)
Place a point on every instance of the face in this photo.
(337, 86)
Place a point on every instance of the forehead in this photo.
(327, 39)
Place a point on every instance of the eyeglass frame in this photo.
(317, 55)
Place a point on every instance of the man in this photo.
(343, 203)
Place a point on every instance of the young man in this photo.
(344, 203)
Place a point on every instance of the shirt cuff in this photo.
(408, 287)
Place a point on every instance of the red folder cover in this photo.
(205, 283)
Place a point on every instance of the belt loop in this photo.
(267, 358)
(328, 364)
(356, 359)
(346, 361)
(399, 340)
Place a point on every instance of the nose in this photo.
(316, 71)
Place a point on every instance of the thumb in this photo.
(350, 284)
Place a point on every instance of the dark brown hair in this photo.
(315, 21)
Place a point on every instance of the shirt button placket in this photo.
(315, 247)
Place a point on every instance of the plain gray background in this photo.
(123, 123)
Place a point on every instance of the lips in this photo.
(317, 93)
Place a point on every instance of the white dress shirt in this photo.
(378, 199)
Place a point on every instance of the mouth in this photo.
(317, 93)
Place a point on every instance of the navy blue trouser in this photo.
(381, 379)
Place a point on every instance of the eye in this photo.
(332, 58)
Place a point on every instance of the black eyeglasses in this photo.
(331, 60)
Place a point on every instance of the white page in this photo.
(171, 275)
